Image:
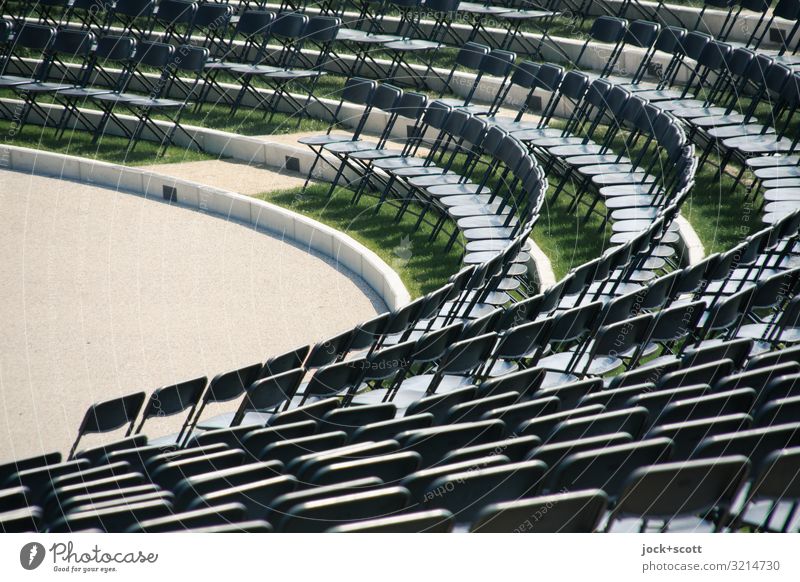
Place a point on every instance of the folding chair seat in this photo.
(322, 514)
(515, 449)
(436, 442)
(572, 512)
(116, 502)
(220, 515)
(778, 411)
(465, 494)
(687, 435)
(675, 494)
(771, 501)
(195, 486)
(169, 474)
(630, 420)
(171, 400)
(286, 450)
(223, 388)
(115, 519)
(108, 416)
(256, 496)
(433, 521)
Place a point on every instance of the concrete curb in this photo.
(540, 267)
(263, 216)
(693, 246)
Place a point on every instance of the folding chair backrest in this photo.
(110, 415)
(322, 29)
(670, 39)
(608, 467)
(334, 379)
(471, 54)
(497, 63)
(608, 29)
(33, 37)
(323, 514)
(230, 385)
(642, 33)
(268, 393)
(573, 512)
(671, 490)
(465, 494)
(290, 360)
(169, 400)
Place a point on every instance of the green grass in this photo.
(108, 149)
(422, 265)
(565, 239)
(719, 214)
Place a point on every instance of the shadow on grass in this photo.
(422, 265)
(108, 149)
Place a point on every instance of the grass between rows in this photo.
(422, 265)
